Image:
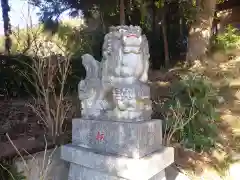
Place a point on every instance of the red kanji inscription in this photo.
(100, 136)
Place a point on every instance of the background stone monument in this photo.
(116, 139)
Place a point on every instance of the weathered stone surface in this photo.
(120, 166)
(125, 61)
(77, 172)
(117, 139)
(81, 173)
(132, 102)
(128, 139)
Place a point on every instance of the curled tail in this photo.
(85, 87)
(92, 66)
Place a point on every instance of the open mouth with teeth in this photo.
(132, 43)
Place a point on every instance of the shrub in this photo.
(190, 113)
(228, 40)
(8, 171)
(49, 74)
(12, 83)
(31, 42)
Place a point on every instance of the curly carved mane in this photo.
(113, 51)
(146, 56)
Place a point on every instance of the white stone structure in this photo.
(123, 72)
(116, 139)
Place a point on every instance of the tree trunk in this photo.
(153, 18)
(6, 24)
(165, 41)
(200, 31)
(122, 12)
(128, 6)
(181, 27)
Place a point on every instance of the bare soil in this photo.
(24, 128)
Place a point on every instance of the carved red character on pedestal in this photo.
(100, 136)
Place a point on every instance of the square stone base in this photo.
(78, 172)
(131, 139)
(87, 164)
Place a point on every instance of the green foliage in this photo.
(191, 115)
(220, 1)
(2, 42)
(73, 38)
(9, 172)
(137, 12)
(70, 37)
(188, 11)
(12, 83)
(228, 40)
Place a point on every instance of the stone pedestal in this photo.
(116, 139)
(112, 150)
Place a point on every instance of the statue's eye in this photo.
(122, 30)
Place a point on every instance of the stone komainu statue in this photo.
(116, 87)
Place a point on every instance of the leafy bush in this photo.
(190, 113)
(12, 83)
(32, 42)
(230, 39)
(9, 172)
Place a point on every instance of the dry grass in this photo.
(49, 76)
(41, 168)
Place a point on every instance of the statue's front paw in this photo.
(127, 114)
(127, 71)
(94, 115)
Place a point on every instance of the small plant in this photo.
(39, 167)
(228, 40)
(9, 172)
(190, 113)
(49, 73)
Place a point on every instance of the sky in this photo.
(20, 15)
